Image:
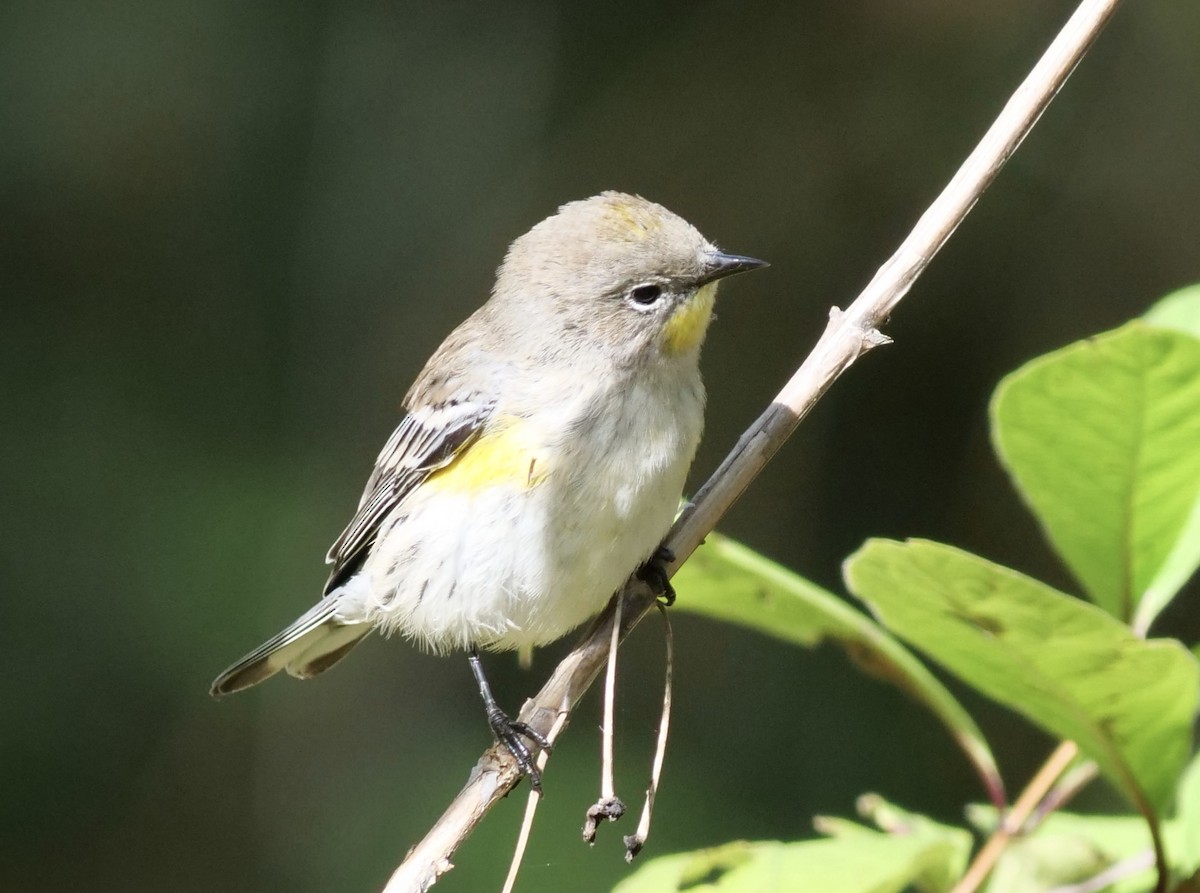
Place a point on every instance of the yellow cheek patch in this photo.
(507, 457)
(685, 329)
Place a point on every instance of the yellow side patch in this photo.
(685, 329)
(506, 457)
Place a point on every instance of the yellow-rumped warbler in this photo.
(542, 457)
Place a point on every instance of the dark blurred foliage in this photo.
(231, 233)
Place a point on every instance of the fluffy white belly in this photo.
(502, 565)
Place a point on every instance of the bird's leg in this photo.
(654, 573)
(509, 732)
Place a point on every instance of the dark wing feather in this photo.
(424, 441)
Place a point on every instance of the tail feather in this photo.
(337, 641)
(311, 645)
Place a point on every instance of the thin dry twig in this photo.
(531, 805)
(608, 785)
(847, 337)
(609, 806)
(1012, 823)
(635, 841)
(1071, 783)
(1055, 783)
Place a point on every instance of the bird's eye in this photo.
(646, 295)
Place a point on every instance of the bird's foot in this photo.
(654, 574)
(512, 734)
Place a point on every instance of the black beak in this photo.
(718, 265)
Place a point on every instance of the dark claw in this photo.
(532, 734)
(509, 733)
(654, 574)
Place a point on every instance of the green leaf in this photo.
(1188, 813)
(1070, 848)
(1102, 438)
(727, 581)
(1040, 863)
(938, 876)
(869, 862)
(1179, 310)
(1067, 666)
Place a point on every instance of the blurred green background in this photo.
(231, 233)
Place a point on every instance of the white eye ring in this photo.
(645, 296)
